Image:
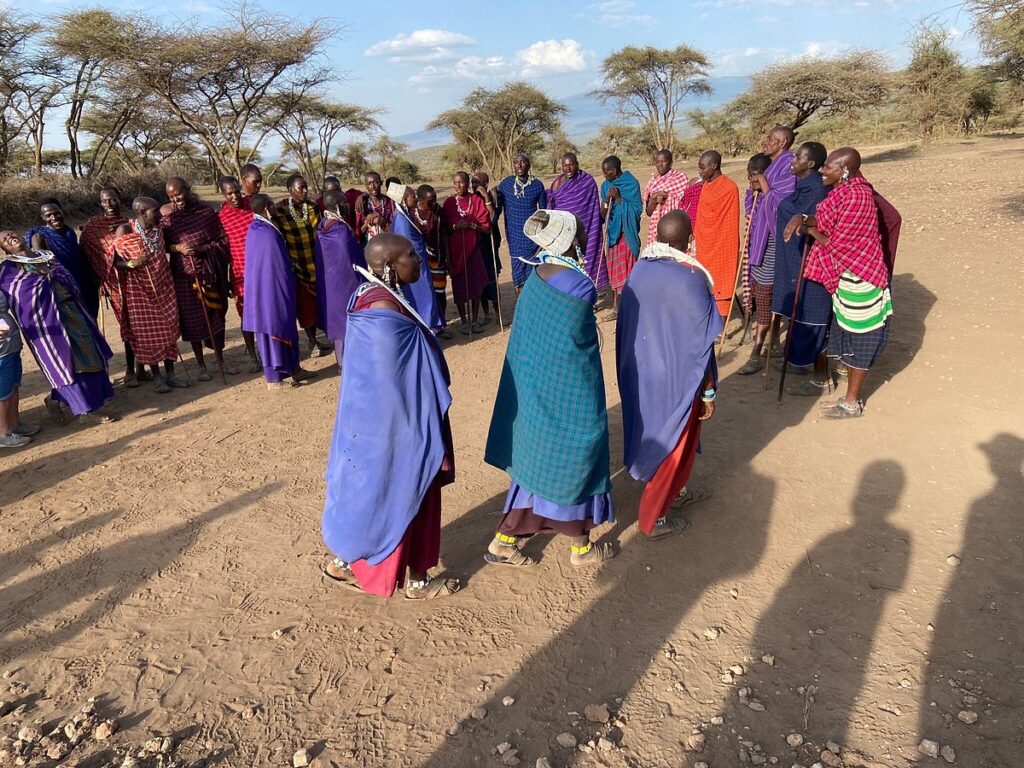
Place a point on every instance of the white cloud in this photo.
(421, 45)
(547, 57)
(953, 33)
(620, 13)
(466, 68)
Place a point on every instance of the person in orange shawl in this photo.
(150, 309)
(717, 229)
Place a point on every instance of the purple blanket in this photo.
(421, 293)
(388, 442)
(337, 250)
(782, 183)
(269, 306)
(665, 339)
(579, 195)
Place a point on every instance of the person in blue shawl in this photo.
(337, 253)
(519, 197)
(665, 357)
(622, 206)
(549, 430)
(56, 236)
(269, 308)
(391, 451)
(419, 294)
(814, 312)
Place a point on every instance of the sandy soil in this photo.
(169, 563)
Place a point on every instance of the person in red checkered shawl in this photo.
(236, 217)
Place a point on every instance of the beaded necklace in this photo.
(291, 211)
(462, 213)
(150, 238)
(519, 187)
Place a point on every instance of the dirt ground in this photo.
(169, 563)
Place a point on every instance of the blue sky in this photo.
(417, 59)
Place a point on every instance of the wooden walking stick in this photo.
(792, 317)
(602, 260)
(768, 355)
(206, 317)
(497, 286)
(739, 275)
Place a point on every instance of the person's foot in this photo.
(161, 385)
(254, 365)
(842, 370)
(231, 370)
(667, 526)
(277, 386)
(795, 370)
(809, 388)
(321, 349)
(13, 440)
(95, 418)
(753, 365)
(430, 588)
(444, 334)
(301, 374)
(54, 411)
(484, 320)
(177, 382)
(593, 553)
(844, 410)
(131, 380)
(27, 430)
(690, 496)
(613, 315)
(142, 374)
(203, 375)
(501, 553)
(465, 329)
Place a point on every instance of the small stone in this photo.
(29, 735)
(904, 683)
(455, 729)
(931, 628)
(153, 745)
(757, 706)
(300, 758)
(130, 762)
(566, 740)
(819, 631)
(605, 745)
(953, 560)
(928, 748)
(831, 759)
(277, 633)
(717, 720)
(968, 716)
(695, 742)
(700, 764)
(543, 762)
(508, 701)
(832, 747)
(712, 633)
(478, 713)
(757, 758)
(105, 730)
(597, 713)
(794, 740)
(737, 669)
(948, 754)
(768, 659)
(734, 593)
(58, 751)
(71, 732)
(970, 701)
(511, 758)
(502, 748)
(726, 677)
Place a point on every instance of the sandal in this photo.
(794, 370)
(347, 581)
(161, 385)
(591, 554)
(203, 375)
(444, 334)
(131, 381)
(665, 527)
(27, 430)
(255, 366)
(753, 365)
(514, 558)
(428, 589)
(809, 388)
(485, 320)
(690, 496)
(843, 410)
(231, 370)
(301, 374)
(178, 383)
(53, 410)
(95, 418)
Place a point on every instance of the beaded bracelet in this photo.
(709, 395)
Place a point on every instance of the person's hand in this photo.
(791, 228)
(762, 183)
(707, 410)
(661, 197)
(373, 219)
(184, 249)
(614, 194)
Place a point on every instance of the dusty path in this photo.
(169, 562)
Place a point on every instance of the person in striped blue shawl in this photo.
(549, 430)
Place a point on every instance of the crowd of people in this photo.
(366, 274)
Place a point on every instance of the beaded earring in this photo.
(579, 252)
(388, 276)
(846, 174)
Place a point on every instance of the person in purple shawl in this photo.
(420, 294)
(576, 191)
(58, 237)
(337, 251)
(64, 339)
(775, 185)
(665, 337)
(391, 451)
(269, 308)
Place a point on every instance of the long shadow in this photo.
(820, 627)
(1013, 205)
(912, 302)
(16, 559)
(975, 663)
(107, 576)
(896, 153)
(22, 480)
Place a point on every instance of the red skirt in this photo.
(419, 550)
(620, 263)
(305, 304)
(672, 475)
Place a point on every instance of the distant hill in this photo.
(587, 115)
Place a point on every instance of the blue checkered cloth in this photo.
(549, 430)
(857, 350)
(517, 210)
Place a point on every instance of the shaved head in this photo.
(711, 158)
(260, 203)
(785, 133)
(675, 229)
(383, 249)
(335, 199)
(177, 183)
(848, 157)
(141, 203)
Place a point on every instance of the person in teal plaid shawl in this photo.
(549, 430)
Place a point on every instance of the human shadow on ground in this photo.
(1013, 205)
(105, 577)
(975, 664)
(896, 153)
(811, 649)
(912, 302)
(22, 480)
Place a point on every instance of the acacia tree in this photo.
(649, 85)
(309, 127)
(16, 35)
(218, 81)
(624, 141)
(129, 128)
(557, 144)
(793, 92)
(492, 125)
(934, 89)
(351, 161)
(1000, 25)
(387, 153)
(720, 129)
